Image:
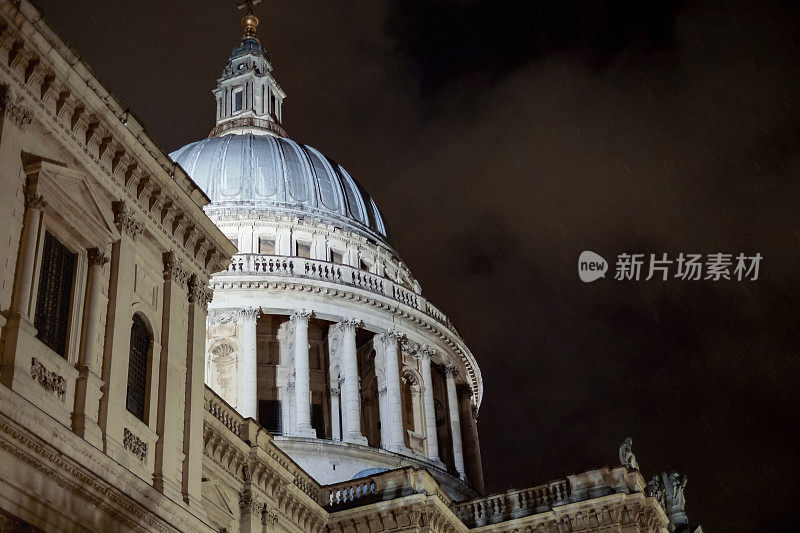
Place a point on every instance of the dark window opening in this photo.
(238, 100)
(303, 250)
(266, 246)
(137, 368)
(55, 294)
(269, 416)
(318, 419)
(337, 257)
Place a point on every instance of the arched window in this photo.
(137, 368)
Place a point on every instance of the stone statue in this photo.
(626, 457)
(668, 490)
(655, 488)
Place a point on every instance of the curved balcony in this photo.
(315, 269)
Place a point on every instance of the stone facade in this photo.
(106, 421)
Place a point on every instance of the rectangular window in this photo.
(304, 250)
(269, 415)
(363, 264)
(266, 246)
(55, 294)
(238, 100)
(234, 241)
(337, 257)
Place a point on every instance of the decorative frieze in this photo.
(134, 444)
(48, 380)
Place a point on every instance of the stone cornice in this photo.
(64, 96)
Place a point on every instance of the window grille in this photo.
(137, 368)
(55, 294)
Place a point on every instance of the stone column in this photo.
(392, 416)
(302, 377)
(335, 389)
(431, 437)
(199, 298)
(455, 422)
(168, 476)
(23, 295)
(351, 397)
(472, 447)
(88, 384)
(249, 366)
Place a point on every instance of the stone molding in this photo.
(48, 380)
(134, 444)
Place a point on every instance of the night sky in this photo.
(503, 138)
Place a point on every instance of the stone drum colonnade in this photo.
(353, 356)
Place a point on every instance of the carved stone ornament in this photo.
(249, 505)
(300, 316)
(15, 111)
(174, 270)
(199, 292)
(97, 257)
(390, 337)
(49, 381)
(126, 222)
(227, 316)
(451, 371)
(349, 324)
(134, 444)
(33, 200)
(250, 313)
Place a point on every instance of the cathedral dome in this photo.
(264, 170)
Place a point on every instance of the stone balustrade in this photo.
(299, 267)
(247, 430)
(513, 504)
(380, 487)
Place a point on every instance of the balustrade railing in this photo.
(300, 267)
(384, 486)
(512, 504)
(223, 412)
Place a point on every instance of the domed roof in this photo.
(261, 170)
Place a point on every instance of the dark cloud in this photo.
(500, 143)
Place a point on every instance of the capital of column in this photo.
(199, 291)
(426, 352)
(125, 221)
(250, 505)
(349, 324)
(33, 200)
(300, 316)
(97, 257)
(174, 269)
(250, 313)
(451, 371)
(390, 337)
